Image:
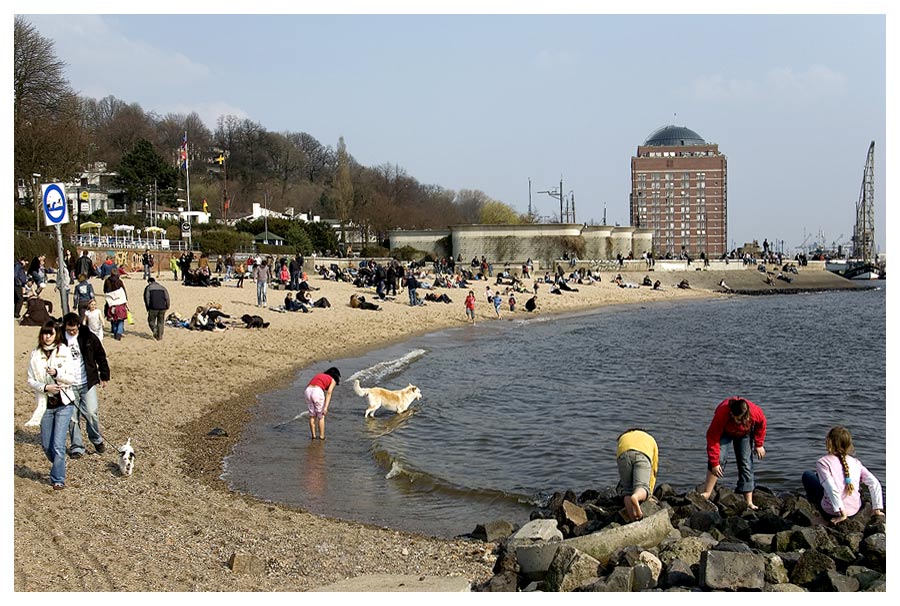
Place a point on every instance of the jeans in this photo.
(815, 492)
(88, 409)
(413, 300)
(18, 300)
(147, 271)
(743, 455)
(229, 272)
(156, 318)
(261, 290)
(54, 424)
(117, 327)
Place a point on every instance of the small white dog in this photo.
(397, 400)
(126, 458)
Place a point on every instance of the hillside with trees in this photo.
(287, 169)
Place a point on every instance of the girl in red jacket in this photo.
(742, 423)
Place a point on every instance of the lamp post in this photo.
(35, 179)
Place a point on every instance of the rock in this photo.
(506, 561)
(732, 571)
(877, 586)
(642, 578)
(762, 541)
(537, 530)
(853, 540)
(679, 574)
(783, 587)
(764, 499)
(647, 532)
(790, 559)
(573, 514)
(732, 504)
(801, 512)
(570, 569)
(866, 576)
(699, 502)
(841, 554)
(505, 581)
(535, 545)
(738, 528)
(810, 565)
(768, 522)
(874, 548)
(534, 586)
(245, 563)
(704, 520)
(776, 571)
(491, 532)
(620, 579)
(832, 580)
(217, 432)
(876, 526)
(733, 547)
(687, 550)
(664, 491)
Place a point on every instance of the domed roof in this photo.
(674, 135)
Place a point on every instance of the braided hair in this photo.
(839, 442)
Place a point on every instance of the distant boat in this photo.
(853, 270)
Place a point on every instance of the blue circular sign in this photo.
(54, 203)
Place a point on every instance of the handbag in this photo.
(130, 318)
(116, 297)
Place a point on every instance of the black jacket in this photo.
(93, 356)
(156, 297)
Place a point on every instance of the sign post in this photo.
(56, 212)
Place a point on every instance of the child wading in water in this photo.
(498, 301)
(318, 397)
(637, 457)
(834, 486)
(470, 306)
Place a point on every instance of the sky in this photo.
(490, 101)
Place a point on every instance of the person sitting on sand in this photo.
(292, 304)
(834, 486)
(657, 285)
(37, 311)
(563, 285)
(684, 284)
(724, 286)
(637, 458)
(742, 423)
(647, 281)
(531, 304)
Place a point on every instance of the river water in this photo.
(515, 410)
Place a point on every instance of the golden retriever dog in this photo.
(397, 400)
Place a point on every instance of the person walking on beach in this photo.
(91, 369)
(470, 306)
(497, 302)
(147, 263)
(318, 397)
(742, 423)
(93, 319)
(156, 300)
(82, 295)
(834, 486)
(173, 265)
(51, 373)
(262, 275)
(637, 458)
(116, 303)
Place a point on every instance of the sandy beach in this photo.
(173, 525)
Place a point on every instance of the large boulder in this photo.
(491, 532)
(776, 571)
(784, 587)
(732, 571)
(571, 569)
(647, 532)
(535, 546)
(687, 550)
(832, 580)
(866, 576)
(874, 548)
(678, 573)
(811, 564)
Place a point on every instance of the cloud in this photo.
(779, 83)
(816, 80)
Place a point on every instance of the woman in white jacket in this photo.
(51, 373)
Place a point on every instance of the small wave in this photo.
(396, 470)
(387, 368)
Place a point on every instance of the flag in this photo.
(205, 206)
(184, 160)
(220, 159)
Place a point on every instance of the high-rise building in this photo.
(679, 189)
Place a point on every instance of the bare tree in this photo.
(343, 199)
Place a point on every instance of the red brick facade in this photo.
(681, 193)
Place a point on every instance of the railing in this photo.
(114, 242)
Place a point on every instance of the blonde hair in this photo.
(839, 442)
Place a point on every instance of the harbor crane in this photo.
(864, 230)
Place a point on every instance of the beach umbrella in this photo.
(90, 225)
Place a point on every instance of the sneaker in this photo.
(58, 486)
(100, 448)
(76, 455)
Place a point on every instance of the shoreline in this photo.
(175, 519)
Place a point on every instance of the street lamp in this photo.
(35, 179)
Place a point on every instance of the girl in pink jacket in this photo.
(834, 486)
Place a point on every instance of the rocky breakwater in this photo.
(687, 543)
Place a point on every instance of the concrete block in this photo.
(729, 570)
(648, 532)
(399, 583)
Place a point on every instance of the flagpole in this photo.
(187, 172)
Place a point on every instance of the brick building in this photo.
(679, 189)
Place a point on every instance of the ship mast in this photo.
(864, 230)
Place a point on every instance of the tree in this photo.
(142, 168)
(498, 213)
(46, 112)
(223, 241)
(343, 200)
